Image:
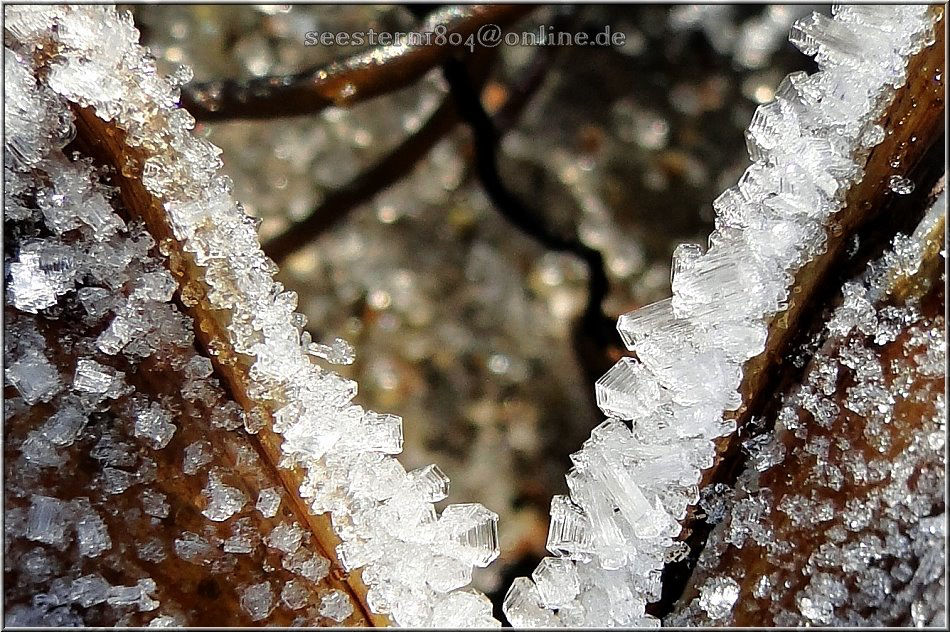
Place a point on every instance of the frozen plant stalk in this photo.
(631, 485)
(83, 64)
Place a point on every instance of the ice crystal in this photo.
(48, 521)
(154, 425)
(337, 352)
(34, 377)
(718, 596)
(223, 501)
(294, 594)
(471, 532)
(335, 605)
(258, 600)
(197, 455)
(91, 531)
(268, 502)
(285, 538)
(155, 503)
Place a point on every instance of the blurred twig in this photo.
(401, 160)
(384, 173)
(343, 83)
(390, 169)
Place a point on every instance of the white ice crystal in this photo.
(34, 377)
(718, 596)
(334, 605)
(258, 600)
(285, 537)
(197, 455)
(294, 594)
(268, 502)
(631, 484)
(223, 500)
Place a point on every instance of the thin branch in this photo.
(401, 160)
(485, 137)
(389, 170)
(343, 83)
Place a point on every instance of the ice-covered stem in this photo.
(107, 144)
(130, 498)
(377, 521)
(364, 76)
(710, 349)
(913, 123)
(839, 516)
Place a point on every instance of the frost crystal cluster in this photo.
(77, 255)
(847, 523)
(631, 483)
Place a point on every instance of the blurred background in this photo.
(462, 323)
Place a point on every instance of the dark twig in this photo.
(364, 76)
(387, 171)
(485, 137)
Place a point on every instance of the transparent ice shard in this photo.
(628, 390)
(557, 582)
(335, 605)
(607, 541)
(48, 520)
(153, 424)
(137, 595)
(773, 124)
(197, 455)
(93, 377)
(837, 43)
(268, 502)
(89, 590)
(155, 503)
(523, 607)
(337, 352)
(569, 532)
(65, 425)
(223, 501)
(91, 531)
(285, 537)
(471, 533)
(294, 594)
(257, 600)
(723, 285)
(431, 483)
(43, 272)
(34, 377)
